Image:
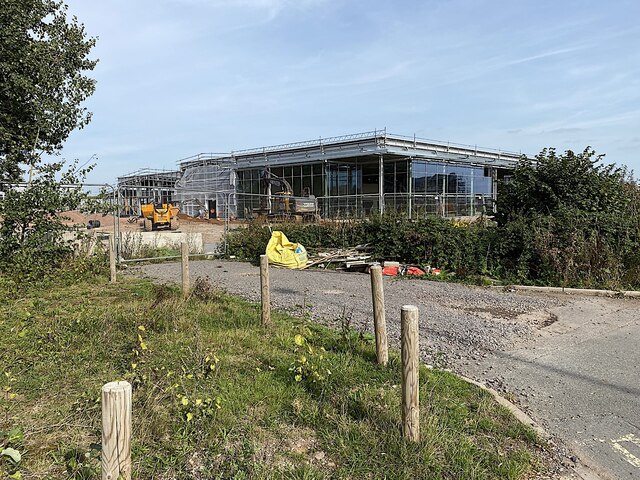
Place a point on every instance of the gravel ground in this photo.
(459, 325)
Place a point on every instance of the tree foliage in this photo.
(555, 184)
(43, 61)
(570, 220)
(43, 83)
(32, 233)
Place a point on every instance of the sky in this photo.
(180, 77)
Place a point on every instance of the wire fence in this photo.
(249, 206)
(95, 216)
(228, 208)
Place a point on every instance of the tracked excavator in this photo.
(283, 204)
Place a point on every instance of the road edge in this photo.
(579, 291)
(580, 470)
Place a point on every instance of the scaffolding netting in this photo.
(207, 190)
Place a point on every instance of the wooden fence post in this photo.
(116, 431)
(264, 289)
(184, 249)
(379, 321)
(410, 378)
(112, 257)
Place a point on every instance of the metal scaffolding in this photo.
(207, 191)
(146, 186)
(350, 175)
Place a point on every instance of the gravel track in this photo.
(459, 324)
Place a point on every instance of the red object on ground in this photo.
(395, 271)
(435, 271)
(390, 271)
(415, 271)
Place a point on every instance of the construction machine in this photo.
(160, 215)
(283, 203)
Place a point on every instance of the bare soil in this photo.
(215, 228)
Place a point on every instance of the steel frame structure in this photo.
(376, 148)
(376, 142)
(146, 185)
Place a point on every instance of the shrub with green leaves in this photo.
(432, 240)
(569, 220)
(32, 229)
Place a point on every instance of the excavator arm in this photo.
(279, 185)
(282, 201)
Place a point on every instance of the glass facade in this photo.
(416, 187)
(345, 180)
(450, 190)
(305, 180)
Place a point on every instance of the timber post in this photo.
(184, 250)
(116, 431)
(264, 289)
(410, 373)
(112, 258)
(379, 320)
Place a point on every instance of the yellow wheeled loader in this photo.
(160, 215)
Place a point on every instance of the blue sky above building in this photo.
(178, 77)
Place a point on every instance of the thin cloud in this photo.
(539, 56)
(564, 131)
(382, 75)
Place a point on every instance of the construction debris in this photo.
(351, 258)
(356, 259)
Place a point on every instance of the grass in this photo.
(216, 395)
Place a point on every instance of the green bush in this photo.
(33, 240)
(569, 220)
(432, 240)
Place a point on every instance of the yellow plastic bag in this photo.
(282, 253)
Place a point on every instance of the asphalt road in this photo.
(578, 376)
(581, 380)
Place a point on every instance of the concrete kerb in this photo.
(577, 291)
(519, 414)
(580, 471)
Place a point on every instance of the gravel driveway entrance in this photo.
(459, 325)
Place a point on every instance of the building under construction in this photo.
(352, 175)
(146, 186)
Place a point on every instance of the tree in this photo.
(570, 220)
(43, 61)
(32, 240)
(553, 184)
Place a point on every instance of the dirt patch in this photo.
(288, 446)
(213, 228)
